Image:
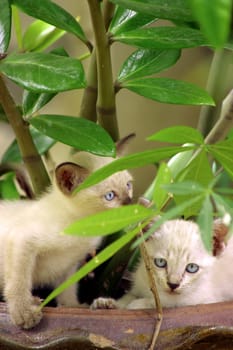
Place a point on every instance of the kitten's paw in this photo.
(25, 315)
(104, 303)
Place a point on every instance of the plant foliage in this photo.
(191, 174)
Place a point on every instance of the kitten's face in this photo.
(113, 192)
(179, 257)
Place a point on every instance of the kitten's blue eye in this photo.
(160, 262)
(192, 268)
(109, 196)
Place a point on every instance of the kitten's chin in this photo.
(173, 292)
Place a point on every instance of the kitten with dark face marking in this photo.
(185, 273)
(34, 253)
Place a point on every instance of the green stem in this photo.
(31, 158)
(216, 85)
(88, 104)
(18, 27)
(106, 108)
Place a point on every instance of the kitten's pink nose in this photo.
(172, 286)
(127, 200)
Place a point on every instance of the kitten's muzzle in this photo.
(127, 200)
(172, 286)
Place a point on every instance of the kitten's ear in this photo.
(121, 145)
(69, 176)
(219, 237)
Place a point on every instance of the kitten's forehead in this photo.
(91, 161)
(176, 236)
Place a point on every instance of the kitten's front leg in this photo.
(68, 298)
(19, 262)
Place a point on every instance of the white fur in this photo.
(33, 250)
(179, 242)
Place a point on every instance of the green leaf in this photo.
(182, 188)
(179, 161)
(205, 222)
(145, 62)
(99, 259)
(76, 132)
(197, 171)
(178, 134)
(125, 20)
(169, 91)
(42, 72)
(5, 25)
(107, 222)
(51, 13)
(223, 205)
(33, 101)
(43, 144)
(162, 38)
(163, 177)
(169, 9)
(39, 35)
(214, 18)
(7, 187)
(222, 152)
(132, 161)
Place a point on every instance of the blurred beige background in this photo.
(135, 113)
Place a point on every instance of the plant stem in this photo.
(224, 123)
(88, 104)
(18, 27)
(106, 108)
(30, 156)
(151, 277)
(216, 85)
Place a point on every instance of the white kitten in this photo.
(34, 253)
(185, 273)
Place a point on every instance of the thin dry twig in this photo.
(224, 123)
(150, 273)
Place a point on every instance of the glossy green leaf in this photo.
(178, 134)
(145, 62)
(222, 152)
(39, 35)
(42, 142)
(169, 9)
(162, 38)
(5, 25)
(51, 13)
(125, 20)
(33, 101)
(110, 221)
(43, 72)
(205, 222)
(135, 160)
(163, 177)
(99, 259)
(76, 132)
(167, 90)
(214, 18)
